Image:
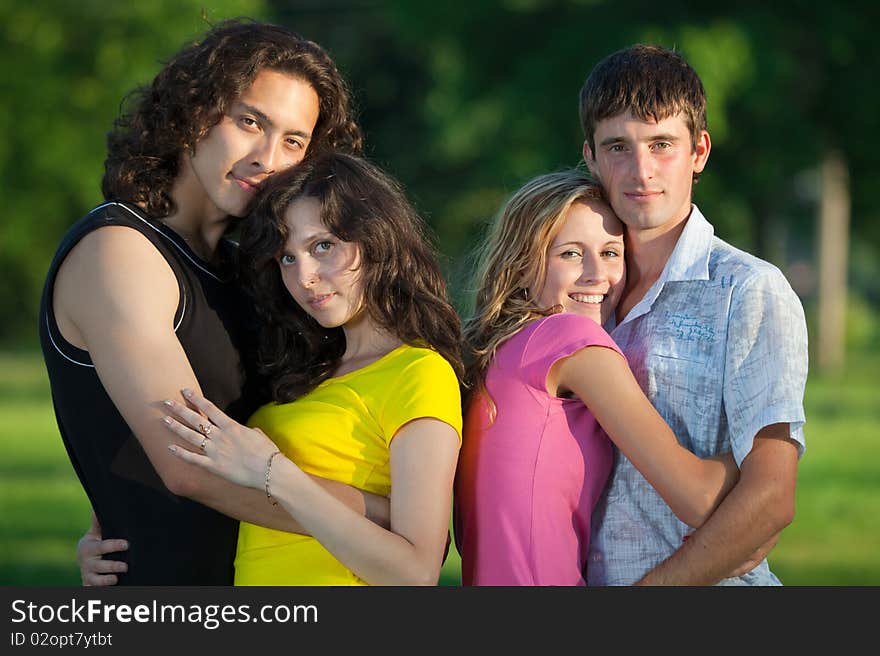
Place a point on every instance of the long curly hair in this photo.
(193, 91)
(513, 259)
(404, 290)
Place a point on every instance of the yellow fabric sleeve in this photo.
(425, 387)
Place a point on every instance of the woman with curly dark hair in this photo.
(142, 299)
(362, 350)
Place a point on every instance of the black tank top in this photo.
(172, 540)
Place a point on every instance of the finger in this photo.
(183, 414)
(100, 580)
(190, 457)
(184, 432)
(88, 548)
(106, 566)
(111, 546)
(210, 410)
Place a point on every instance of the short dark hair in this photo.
(404, 290)
(192, 92)
(650, 81)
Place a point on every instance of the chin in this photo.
(324, 323)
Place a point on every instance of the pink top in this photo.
(526, 485)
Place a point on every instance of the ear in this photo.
(589, 159)
(701, 152)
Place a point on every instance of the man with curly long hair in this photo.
(141, 300)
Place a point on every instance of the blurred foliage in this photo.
(67, 66)
(465, 101)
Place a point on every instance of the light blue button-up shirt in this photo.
(719, 346)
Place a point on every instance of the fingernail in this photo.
(187, 392)
(167, 420)
(172, 448)
(167, 402)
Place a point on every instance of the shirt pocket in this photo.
(687, 394)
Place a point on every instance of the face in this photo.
(320, 270)
(647, 168)
(267, 129)
(585, 266)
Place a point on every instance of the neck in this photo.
(366, 341)
(195, 217)
(647, 252)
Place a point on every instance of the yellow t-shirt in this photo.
(342, 430)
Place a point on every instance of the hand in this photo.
(220, 444)
(93, 569)
(757, 556)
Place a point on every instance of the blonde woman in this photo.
(549, 387)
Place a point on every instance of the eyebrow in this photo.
(663, 136)
(610, 242)
(268, 121)
(319, 235)
(315, 236)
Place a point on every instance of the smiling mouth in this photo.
(588, 299)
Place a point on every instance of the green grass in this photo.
(834, 539)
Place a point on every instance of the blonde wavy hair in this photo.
(512, 260)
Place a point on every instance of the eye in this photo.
(295, 144)
(610, 253)
(615, 148)
(286, 260)
(570, 254)
(248, 122)
(662, 145)
(324, 246)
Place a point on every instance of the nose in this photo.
(264, 156)
(307, 274)
(642, 164)
(592, 270)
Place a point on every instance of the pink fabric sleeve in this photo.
(557, 337)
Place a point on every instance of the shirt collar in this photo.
(690, 257)
(689, 261)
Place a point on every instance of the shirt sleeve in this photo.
(556, 337)
(426, 387)
(766, 362)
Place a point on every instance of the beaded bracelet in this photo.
(268, 471)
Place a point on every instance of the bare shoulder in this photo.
(113, 276)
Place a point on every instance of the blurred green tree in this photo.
(495, 86)
(463, 102)
(68, 66)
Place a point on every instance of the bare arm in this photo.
(423, 459)
(753, 513)
(601, 378)
(424, 454)
(126, 324)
